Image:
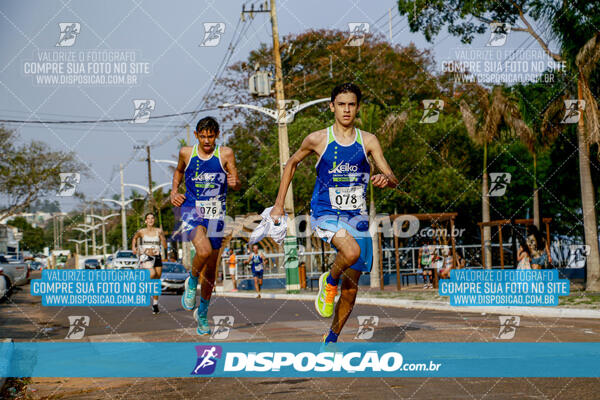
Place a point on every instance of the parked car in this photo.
(16, 273)
(35, 265)
(3, 285)
(91, 263)
(125, 259)
(109, 262)
(173, 277)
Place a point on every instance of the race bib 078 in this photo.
(347, 198)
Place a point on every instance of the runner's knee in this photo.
(351, 252)
(203, 252)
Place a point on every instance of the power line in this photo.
(100, 121)
(221, 67)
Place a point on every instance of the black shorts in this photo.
(156, 259)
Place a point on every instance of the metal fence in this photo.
(565, 253)
(318, 261)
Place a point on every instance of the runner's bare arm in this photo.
(310, 144)
(233, 180)
(177, 198)
(134, 242)
(387, 177)
(163, 239)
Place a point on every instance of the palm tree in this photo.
(587, 61)
(386, 131)
(538, 134)
(574, 24)
(497, 113)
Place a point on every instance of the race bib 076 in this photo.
(347, 198)
(209, 209)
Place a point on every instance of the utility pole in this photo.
(290, 244)
(54, 231)
(103, 218)
(151, 198)
(123, 214)
(93, 231)
(390, 26)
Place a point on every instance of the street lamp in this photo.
(166, 161)
(123, 203)
(147, 190)
(284, 117)
(86, 239)
(77, 243)
(103, 219)
(93, 229)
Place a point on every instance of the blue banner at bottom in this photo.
(233, 359)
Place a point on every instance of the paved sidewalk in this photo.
(373, 298)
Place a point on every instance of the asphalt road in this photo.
(23, 318)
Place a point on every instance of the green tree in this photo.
(575, 24)
(34, 239)
(29, 172)
(495, 112)
(533, 100)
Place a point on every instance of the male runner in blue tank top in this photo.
(338, 205)
(208, 171)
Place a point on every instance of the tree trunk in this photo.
(590, 227)
(486, 258)
(536, 196)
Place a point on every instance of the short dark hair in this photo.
(149, 213)
(207, 124)
(347, 87)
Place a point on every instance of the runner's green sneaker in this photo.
(326, 297)
(203, 327)
(188, 298)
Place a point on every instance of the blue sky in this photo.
(166, 35)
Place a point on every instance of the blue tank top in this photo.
(256, 262)
(206, 185)
(342, 179)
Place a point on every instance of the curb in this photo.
(6, 351)
(544, 312)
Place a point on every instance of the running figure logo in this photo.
(366, 326)
(432, 109)
(573, 110)
(508, 326)
(68, 183)
(207, 359)
(77, 326)
(68, 33)
(212, 33)
(223, 325)
(498, 183)
(499, 34)
(142, 110)
(358, 31)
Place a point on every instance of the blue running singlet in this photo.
(256, 263)
(205, 196)
(342, 179)
(339, 199)
(206, 184)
